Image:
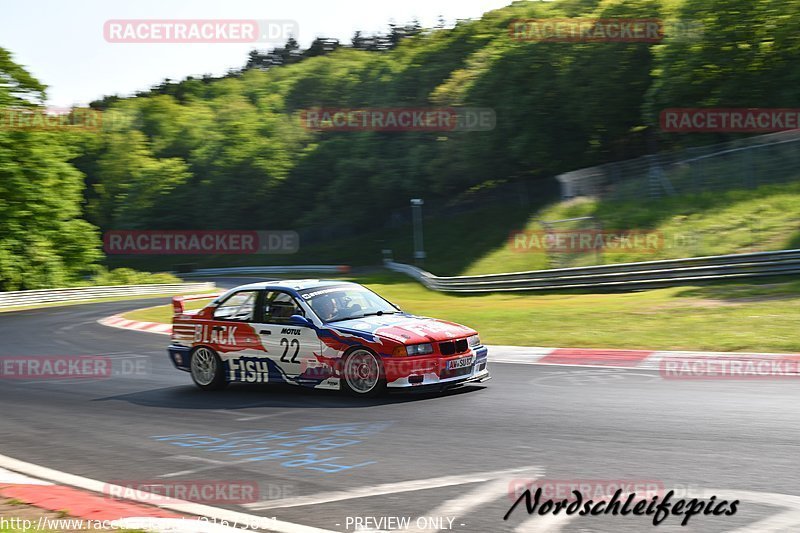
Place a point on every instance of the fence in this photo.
(744, 163)
(19, 298)
(624, 276)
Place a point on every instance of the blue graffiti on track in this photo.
(306, 448)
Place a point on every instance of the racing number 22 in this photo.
(286, 344)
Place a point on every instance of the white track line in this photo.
(7, 477)
(196, 509)
(545, 524)
(213, 466)
(779, 523)
(483, 494)
(386, 488)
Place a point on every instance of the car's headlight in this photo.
(474, 341)
(420, 349)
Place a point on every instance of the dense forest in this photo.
(231, 152)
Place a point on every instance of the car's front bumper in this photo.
(412, 372)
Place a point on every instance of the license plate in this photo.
(459, 363)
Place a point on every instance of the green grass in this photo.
(725, 317)
(162, 313)
(738, 221)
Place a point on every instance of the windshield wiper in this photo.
(377, 313)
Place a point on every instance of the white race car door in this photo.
(230, 333)
(291, 348)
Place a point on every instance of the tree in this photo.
(358, 40)
(44, 242)
(321, 46)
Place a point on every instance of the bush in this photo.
(129, 276)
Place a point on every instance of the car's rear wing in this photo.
(178, 307)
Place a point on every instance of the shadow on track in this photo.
(241, 396)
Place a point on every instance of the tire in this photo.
(206, 369)
(363, 374)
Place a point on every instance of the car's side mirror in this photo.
(299, 320)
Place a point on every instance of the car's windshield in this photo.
(344, 302)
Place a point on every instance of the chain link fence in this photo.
(743, 163)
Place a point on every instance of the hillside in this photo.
(737, 221)
(232, 153)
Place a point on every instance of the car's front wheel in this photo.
(206, 369)
(363, 373)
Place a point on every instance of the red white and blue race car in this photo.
(321, 334)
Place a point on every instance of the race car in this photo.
(321, 334)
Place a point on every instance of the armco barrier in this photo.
(624, 276)
(18, 298)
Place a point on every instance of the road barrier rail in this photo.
(45, 296)
(623, 276)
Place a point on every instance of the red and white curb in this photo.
(670, 363)
(87, 499)
(726, 362)
(77, 503)
(117, 321)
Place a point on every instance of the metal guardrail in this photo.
(624, 276)
(267, 270)
(19, 298)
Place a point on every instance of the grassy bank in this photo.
(162, 313)
(713, 223)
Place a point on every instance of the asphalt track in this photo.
(451, 455)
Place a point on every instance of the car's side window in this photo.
(279, 307)
(238, 307)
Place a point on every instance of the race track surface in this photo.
(421, 455)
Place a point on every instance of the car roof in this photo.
(294, 284)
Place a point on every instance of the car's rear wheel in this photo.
(206, 369)
(363, 373)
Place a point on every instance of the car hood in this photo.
(404, 328)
